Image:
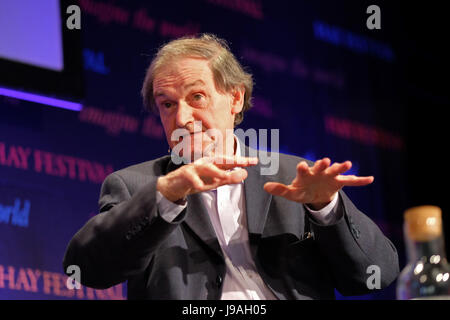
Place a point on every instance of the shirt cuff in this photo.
(329, 214)
(167, 209)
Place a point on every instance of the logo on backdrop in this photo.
(59, 165)
(46, 283)
(16, 214)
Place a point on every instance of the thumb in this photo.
(275, 188)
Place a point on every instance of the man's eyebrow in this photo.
(196, 82)
(159, 94)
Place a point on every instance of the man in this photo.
(216, 228)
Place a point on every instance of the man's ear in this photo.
(237, 99)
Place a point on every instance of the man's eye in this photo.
(167, 104)
(198, 96)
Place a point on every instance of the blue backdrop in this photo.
(321, 76)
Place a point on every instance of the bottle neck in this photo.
(432, 251)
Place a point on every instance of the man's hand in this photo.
(317, 186)
(202, 175)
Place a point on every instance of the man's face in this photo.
(185, 92)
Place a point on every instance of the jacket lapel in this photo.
(197, 218)
(257, 202)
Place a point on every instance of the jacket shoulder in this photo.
(155, 167)
(139, 174)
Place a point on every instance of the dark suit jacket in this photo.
(128, 240)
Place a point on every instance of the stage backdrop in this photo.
(322, 77)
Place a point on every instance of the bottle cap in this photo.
(423, 223)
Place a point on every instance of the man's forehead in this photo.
(159, 89)
(182, 74)
(183, 69)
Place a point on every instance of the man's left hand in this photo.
(316, 186)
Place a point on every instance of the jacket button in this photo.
(219, 280)
(128, 236)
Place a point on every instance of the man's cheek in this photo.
(168, 129)
(171, 142)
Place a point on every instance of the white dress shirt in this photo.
(227, 212)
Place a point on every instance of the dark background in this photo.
(426, 70)
(404, 94)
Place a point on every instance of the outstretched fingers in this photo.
(303, 168)
(320, 165)
(276, 188)
(354, 181)
(339, 168)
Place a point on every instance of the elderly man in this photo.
(215, 227)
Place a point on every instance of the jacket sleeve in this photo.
(351, 245)
(119, 241)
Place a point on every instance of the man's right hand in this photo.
(202, 175)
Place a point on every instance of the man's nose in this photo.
(184, 114)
